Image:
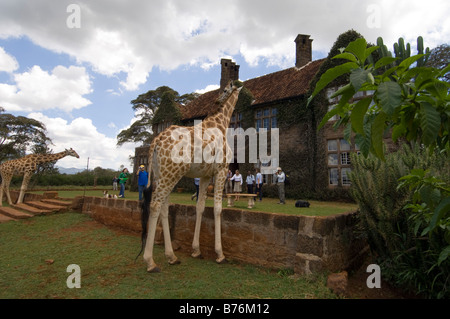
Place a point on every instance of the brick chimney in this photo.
(303, 50)
(230, 72)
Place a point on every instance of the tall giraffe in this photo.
(167, 170)
(26, 166)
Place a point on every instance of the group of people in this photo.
(125, 175)
(254, 183)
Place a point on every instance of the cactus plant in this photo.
(403, 52)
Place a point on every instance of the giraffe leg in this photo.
(218, 187)
(5, 187)
(173, 260)
(23, 188)
(199, 211)
(155, 209)
(1, 194)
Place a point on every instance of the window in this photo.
(332, 145)
(332, 159)
(334, 176)
(339, 161)
(235, 120)
(345, 174)
(345, 159)
(344, 145)
(266, 118)
(274, 122)
(258, 125)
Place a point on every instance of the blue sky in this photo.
(76, 65)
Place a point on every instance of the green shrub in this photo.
(394, 231)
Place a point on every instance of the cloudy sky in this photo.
(76, 65)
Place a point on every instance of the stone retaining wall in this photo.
(305, 244)
(302, 243)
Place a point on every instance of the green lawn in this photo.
(35, 254)
(317, 208)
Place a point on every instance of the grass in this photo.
(106, 259)
(317, 208)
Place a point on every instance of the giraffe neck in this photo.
(50, 157)
(222, 118)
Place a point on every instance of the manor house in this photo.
(317, 161)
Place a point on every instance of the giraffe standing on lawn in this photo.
(207, 137)
(26, 166)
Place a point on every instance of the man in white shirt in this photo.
(250, 180)
(259, 183)
(279, 178)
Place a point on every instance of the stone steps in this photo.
(14, 213)
(31, 209)
(4, 218)
(57, 202)
(46, 206)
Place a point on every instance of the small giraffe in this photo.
(26, 166)
(167, 172)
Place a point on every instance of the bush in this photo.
(395, 236)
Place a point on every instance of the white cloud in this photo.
(7, 62)
(208, 88)
(132, 37)
(81, 135)
(36, 90)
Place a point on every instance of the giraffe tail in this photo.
(145, 213)
(145, 206)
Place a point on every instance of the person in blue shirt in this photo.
(196, 184)
(142, 180)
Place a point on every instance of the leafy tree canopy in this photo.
(440, 58)
(18, 134)
(153, 107)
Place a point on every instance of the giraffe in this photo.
(26, 166)
(167, 171)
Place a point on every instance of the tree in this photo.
(439, 59)
(146, 106)
(19, 133)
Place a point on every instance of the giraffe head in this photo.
(71, 152)
(227, 91)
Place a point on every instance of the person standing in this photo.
(197, 186)
(250, 180)
(229, 183)
(115, 181)
(279, 175)
(259, 183)
(237, 178)
(123, 177)
(142, 180)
